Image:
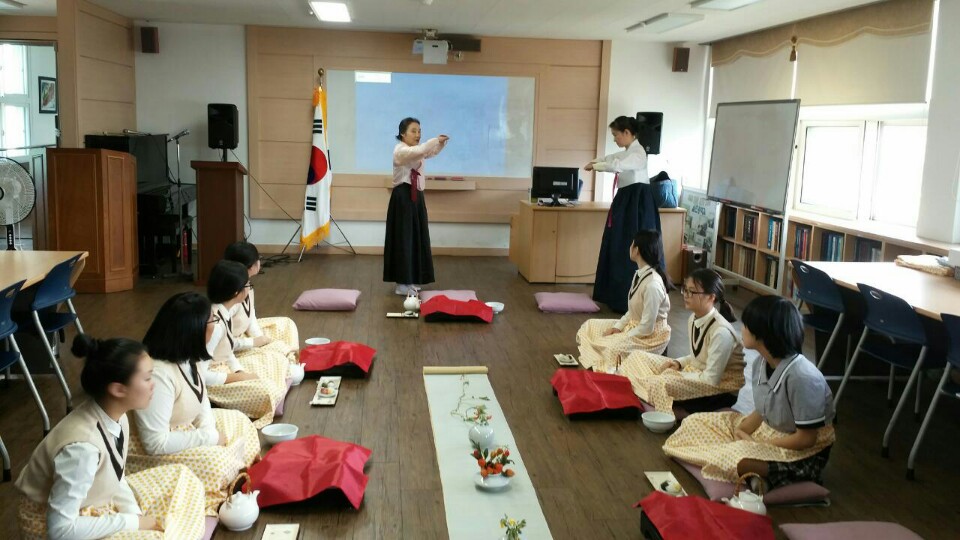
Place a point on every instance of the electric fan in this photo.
(17, 196)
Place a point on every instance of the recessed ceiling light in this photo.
(331, 11)
(10, 4)
(666, 22)
(726, 5)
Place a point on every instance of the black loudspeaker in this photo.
(651, 124)
(223, 126)
(681, 59)
(150, 39)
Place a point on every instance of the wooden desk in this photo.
(34, 265)
(562, 244)
(929, 295)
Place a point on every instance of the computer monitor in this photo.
(555, 183)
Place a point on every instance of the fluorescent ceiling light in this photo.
(726, 5)
(10, 4)
(666, 22)
(382, 77)
(330, 11)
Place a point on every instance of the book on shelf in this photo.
(773, 268)
(867, 250)
(774, 229)
(749, 228)
(831, 248)
(730, 222)
(801, 243)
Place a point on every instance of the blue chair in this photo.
(816, 289)
(898, 339)
(946, 386)
(6, 462)
(54, 290)
(11, 354)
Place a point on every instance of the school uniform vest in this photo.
(240, 321)
(648, 280)
(80, 426)
(700, 345)
(188, 394)
(224, 348)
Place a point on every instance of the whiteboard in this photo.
(489, 120)
(753, 145)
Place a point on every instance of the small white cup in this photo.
(317, 341)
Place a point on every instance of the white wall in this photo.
(200, 64)
(939, 202)
(641, 79)
(41, 62)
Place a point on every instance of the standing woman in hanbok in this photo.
(179, 427)
(633, 209)
(74, 485)
(708, 378)
(255, 384)
(643, 327)
(407, 259)
(252, 333)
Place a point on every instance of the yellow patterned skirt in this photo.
(283, 332)
(170, 494)
(256, 398)
(661, 387)
(707, 440)
(602, 353)
(215, 466)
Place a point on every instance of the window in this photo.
(862, 170)
(14, 100)
(13, 70)
(14, 128)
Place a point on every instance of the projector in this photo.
(434, 50)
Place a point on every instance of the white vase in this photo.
(481, 436)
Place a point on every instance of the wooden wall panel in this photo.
(103, 39)
(97, 80)
(106, 116)
(29, 28)
(281, 72)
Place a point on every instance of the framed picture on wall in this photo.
(48, 95)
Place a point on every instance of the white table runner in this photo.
(473, 513)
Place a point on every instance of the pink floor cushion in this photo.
(340, 358)
(802, 493)
(583, 392)
(327, 300)
(563, 302)
(209, 525)
(462, 296)
(679, 412)
(443, 309)
(848, 530)
(283, 399)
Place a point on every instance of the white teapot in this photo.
(746, 499)
(240, 511)
(297, 372)
(412, 302)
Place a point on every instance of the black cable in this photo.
(265, 192)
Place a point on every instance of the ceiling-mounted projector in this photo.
(434, 50)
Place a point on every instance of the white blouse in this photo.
(75, 467)
(646, 305)
(407, 158)
(629, 164)
(718, 352)
(154, 421)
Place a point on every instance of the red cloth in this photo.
(584, 391)
(441, 308)
(296, 470)
(338, 354)
(682, 518)
(414, 180)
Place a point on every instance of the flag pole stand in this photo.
(352, 250)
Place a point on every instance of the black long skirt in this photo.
(407, 258)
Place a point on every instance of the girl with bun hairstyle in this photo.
(74, 485)
(179, 426)
(708, 378)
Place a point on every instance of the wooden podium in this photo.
(92, 206)
(219, 211)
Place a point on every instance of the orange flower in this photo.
(506, 453)
(476, 454)
(483, 473)
(499, 468)
(508, 473)
(481, 462)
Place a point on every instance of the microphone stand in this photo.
(186, 269)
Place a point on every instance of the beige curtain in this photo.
(753, 79)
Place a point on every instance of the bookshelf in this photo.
(749, 245)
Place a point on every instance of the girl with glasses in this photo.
(644, 326)
(708, 378)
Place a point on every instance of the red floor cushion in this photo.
(582, 391)
(461, 295)
(339, 358)
(443, 309)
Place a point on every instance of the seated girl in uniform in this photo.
(787, 438)
(179, 426)
(603, 342)
(255, 385)
(715, 364)
(74, 485)
(252, 334)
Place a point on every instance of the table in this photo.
(562, 244)
(34, 265)
(929, 295)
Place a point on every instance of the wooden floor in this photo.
(587, 474)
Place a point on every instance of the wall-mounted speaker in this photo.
(681, 59)
(223, 125)
(149, 39)
(651, 125)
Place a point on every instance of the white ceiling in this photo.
(570, 19)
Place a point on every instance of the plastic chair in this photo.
(54, 290)
(900, 341)
(6, 462)
(946, 386)
(12, 356)
(817, 289)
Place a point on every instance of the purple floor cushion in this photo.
(848, 530)
(562, 302)
(327, 300)
(802, 493)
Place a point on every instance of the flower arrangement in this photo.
(478, 415)
(473, 414)
(512, 526)
(493, 461)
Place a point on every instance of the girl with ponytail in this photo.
(74, 485)
(644, 327)
(708, 378)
